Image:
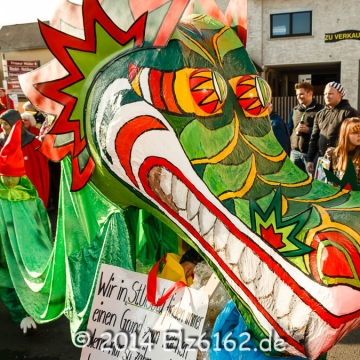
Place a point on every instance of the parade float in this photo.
(162, 127)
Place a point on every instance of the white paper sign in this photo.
(15, 99)
(124, 325)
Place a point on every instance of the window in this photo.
(291, 24)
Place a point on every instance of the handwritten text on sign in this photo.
(123, 325)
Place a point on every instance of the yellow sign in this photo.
(343, 35)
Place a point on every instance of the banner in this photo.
(343, 35)
(124, 325)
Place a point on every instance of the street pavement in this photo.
(52, 342)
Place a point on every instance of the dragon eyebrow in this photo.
(216, 48)
(211, 58)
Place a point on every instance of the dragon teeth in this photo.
(271, 292)
(195, 223)
(221, 235)
(283, 301)
(267, 302)
(183, 214)
(248, 264)
(234, 249)
(192, 206)
(206, 220)
(179, 193)
(222, 255)
(299, 315)
(165, 181)
(251, 286)
(235, 270)
(209, 237)
(265, 287)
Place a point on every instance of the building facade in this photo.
(288, 40)
(22, 44)
(316, 41)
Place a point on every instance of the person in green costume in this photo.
(18, 200)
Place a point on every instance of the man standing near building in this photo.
(301, 122)
(327, 122)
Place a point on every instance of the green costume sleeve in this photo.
(20, 204)
(52, 279)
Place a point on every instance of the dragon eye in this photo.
(186, 91)
(208, 89)
(253, 94)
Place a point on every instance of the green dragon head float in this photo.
(168, 114)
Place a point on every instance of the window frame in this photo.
(272, 36)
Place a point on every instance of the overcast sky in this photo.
(25, 11)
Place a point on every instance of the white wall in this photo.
(328, 16)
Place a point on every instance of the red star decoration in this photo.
(274, 239)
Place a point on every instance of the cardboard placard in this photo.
(124, 325)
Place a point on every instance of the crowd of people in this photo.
(44, 174)
(21, 135)
(316, 131)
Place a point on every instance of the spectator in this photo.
(327, 123)
(348, 147)
(54, 168)
(5, 102)
(38, 115)
(280, 130)
(15, 188)
(30, 123)
(301, 121)
(189, 260)
(36, 164)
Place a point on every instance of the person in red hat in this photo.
(5, 102)
(12, 165)
(36, 164)
(12, 171)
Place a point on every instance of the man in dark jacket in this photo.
(327, 123)
(301, 121)
(280, 130)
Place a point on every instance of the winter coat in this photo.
(36, 164)
(326, 127)
(280, 131)
(307, 115)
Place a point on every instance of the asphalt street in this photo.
(51, 341)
